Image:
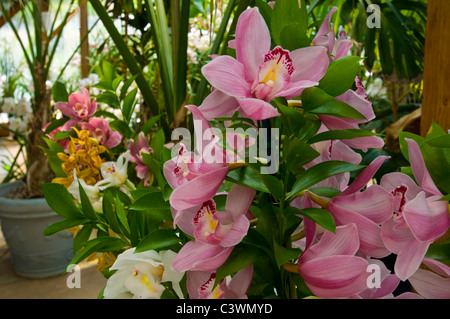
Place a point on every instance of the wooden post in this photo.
(436, 93)
(85, 67)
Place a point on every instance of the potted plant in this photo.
(24, 212)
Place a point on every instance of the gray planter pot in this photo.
(23, 220)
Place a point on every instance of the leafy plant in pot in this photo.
(24, 213)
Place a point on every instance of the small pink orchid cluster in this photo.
(80, 110)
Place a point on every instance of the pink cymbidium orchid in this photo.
(367, 209)
(325, 37)
(420, 217)
(216, 233)
(136, 149)
(200, 285)
(101, 131)
(79, 108)
(331, 268)
(195, 177)
(360, 102)
(258, 74)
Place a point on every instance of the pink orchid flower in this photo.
(200, 285)
(216, 233)
(325, 37)
(136, 150)
(330, 267)
(259, 74)
(432, 284)
(359, 101)
(79, 108)
(101, 131)
(368, 210)
(420, 216)
(195, 177)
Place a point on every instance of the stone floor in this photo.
(13, 286)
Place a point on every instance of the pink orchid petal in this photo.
(201, 257)
(410, 258)
(252, 41)
(344, 242)
(239, 284)
(310, 63)
(335, 276)
(239, 200)
(227, 75)
(236, 233)
(380, 208)
(427, 217)
(394, 237)
(360, 104)
(430, 285)
(365, 176)
(369, 232)
(198, 190)
(324, 29)
(257, 109)
(113, 140)
(65, 109)
(392, 181)
(218, 104)
(295, 89)
(437, 266)
(419, 168)
(365, 142)
(343, 47)
(194, 280)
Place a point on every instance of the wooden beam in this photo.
(85, 67)
(436, 94)
(12, 11)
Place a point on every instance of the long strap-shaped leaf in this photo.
(141, 82)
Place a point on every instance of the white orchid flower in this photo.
(139, 275)
(92, 192)
(115, 173)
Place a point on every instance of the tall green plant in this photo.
(39, 54)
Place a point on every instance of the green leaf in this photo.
(283, 254)
(128, 105)
(155, 204)
(320, 172)
(318, 215)
(339, 135)
(150, 123)
(294, 37)
(440, 252)
(122, 215)
(247, 176)
(108, 98)
(285, 13)
(340, 75)
(63, 225)
(99, 244)
(121, 127)
(273, 184)
(299, 153)
(86, 205)
(314, 97)
(158, 239)
(60, 201)
(59, 92)
(110, 213)
(339, 109)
